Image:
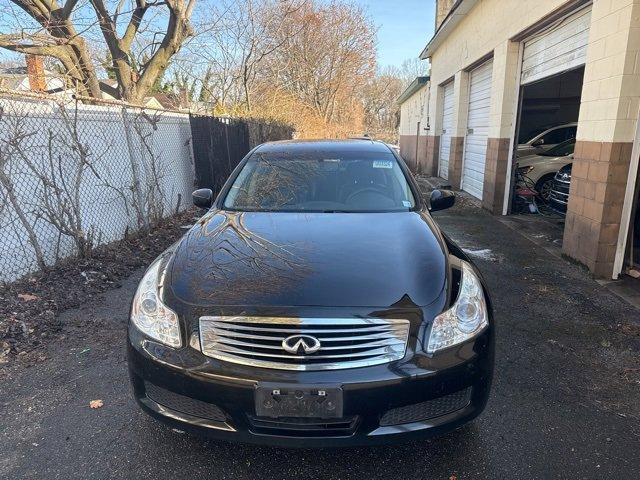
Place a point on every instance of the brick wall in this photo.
(408, 150)
(606, 129)
(432, 155)
(598, 182)
(443, 7)
(416, 152)
(455, 161)
(495, 174)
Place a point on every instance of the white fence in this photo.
(74, 176)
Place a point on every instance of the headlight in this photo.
(150, 315)
(525, 170)
(465, 319)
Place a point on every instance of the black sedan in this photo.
(316, 303)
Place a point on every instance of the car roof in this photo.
(562, 125)
(314, 146)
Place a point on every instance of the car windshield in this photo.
(531, 136)
(562, 149)
(321, 183)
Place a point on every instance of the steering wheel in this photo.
(365, 190)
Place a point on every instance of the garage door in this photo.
(475, 148)
(557, 49)
(447, 130)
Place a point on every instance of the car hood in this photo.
(309, 259)
(542, 160)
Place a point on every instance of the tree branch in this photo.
(66, 11)
(134, 23)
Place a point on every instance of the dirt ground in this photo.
(30, 308)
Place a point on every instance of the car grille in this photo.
(180, 403)
(559, 195)
(426, 410)
(292, 427)
(561, 186)
(344, 342)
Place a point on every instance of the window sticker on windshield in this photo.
(406, 204)
(382, 164)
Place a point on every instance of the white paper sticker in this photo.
(406, 204)
(382, 164)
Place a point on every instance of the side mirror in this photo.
(203, 198)
(441, 200)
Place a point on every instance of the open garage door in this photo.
(557, 49)
(475, 149)
(550, 97)
(447, 130)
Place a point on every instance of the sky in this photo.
(405, 26)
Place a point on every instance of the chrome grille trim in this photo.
(345, 342)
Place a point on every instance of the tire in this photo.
(543, 187)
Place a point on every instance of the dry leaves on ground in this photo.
(27, 297)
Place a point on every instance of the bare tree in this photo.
(143, 192)
(53, 33)
(61, 175)
(236, 45)
(12, 143)
(153, 196)
(412, 68)
(330, 59)
(379, 97)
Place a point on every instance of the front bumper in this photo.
(402, 401)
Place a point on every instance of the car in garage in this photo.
(547, 139)
(559, 195)
(540, 170)
(316, 303)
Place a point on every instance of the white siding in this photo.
(475, 149)
(447, 130)
(412, 111)
(560, 48)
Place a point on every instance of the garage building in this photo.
(501, 68)
(414, 102)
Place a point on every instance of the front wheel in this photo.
(544, 186)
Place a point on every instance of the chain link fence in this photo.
(75, 175)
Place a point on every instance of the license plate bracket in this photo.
(298, 401)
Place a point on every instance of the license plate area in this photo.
(298, 401)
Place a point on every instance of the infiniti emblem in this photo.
(301, 344)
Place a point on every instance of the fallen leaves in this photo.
(27, 297)
(96, 404)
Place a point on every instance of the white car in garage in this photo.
(547, 139)
(538, 170)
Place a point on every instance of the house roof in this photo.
(413, 87)
(13, 71)
(451, 21)
(16, 78)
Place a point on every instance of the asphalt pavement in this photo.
(565, 402)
